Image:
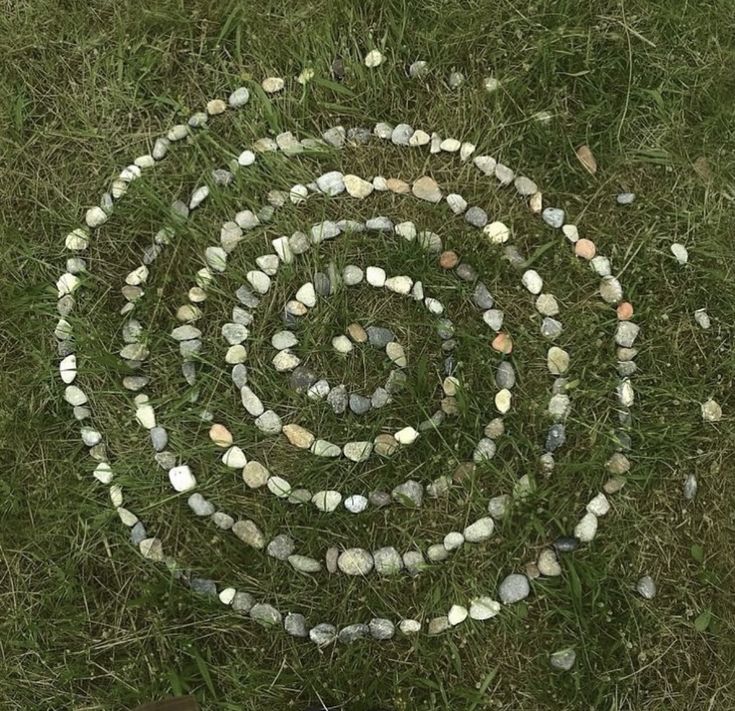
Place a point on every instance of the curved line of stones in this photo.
(67, 284)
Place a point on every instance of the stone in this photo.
(355, 561)
(358, 451)
(356, 503)
(251, 402)
(319, 390)
(331, 183)
(359, 404)
(680, 253)
(342, 344)
(437, 553)
(414, 562)
(689, 489)
(337, 399)
(625, 198)
(381, 628)
(374, 58)
(514, 588)
(702, 319)
(610, 290)
(385, 445)
(548, 564)
(555, 438)
(328, 500)
(493, 318)
(283, 340)
(249, 533)
(279, 487)
(272, 85)
(532, 281)
(553, 216)
(711, 411)
(379, 337)
(399, 284)
(410, 493)
(295, 624)
(503, 400)
(456, 79)
(457, 614)
(483, 608)
(626, 334)
(586, 529)
(302, 379)
(646, 587)
(255, 475)
(387, 561)
(476, 216)
(453, 540)
(426, 188)
(266, 615)
(243, 602)
(281, 547)
(482, 297)
(352, 275)
(353, 633)
(484, 451)
(396, 354)
(598, 505)
(563, 659)
(375, 276)
(551, 328)
(406, 436)
(304, 564)
(437, 625)
(181, 478)
(480, 530)
(557, 360)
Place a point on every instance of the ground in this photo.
(649, 86)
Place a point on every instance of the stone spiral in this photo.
(261, 349)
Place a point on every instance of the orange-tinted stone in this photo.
(625, 311)
(503, 343)
(585, 249)
(448, 259)
(220, 435)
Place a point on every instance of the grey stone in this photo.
(138, 533)
(556, 437)
(243, 602)
(240, 375)
(381, 628)
(626, 334)
(295, 625)
(482, 297)
(379, 224)
(396, 381)
(352, 275)
(566, 544)
(380, 398)
(379, 499)
(551, 328)
(199, 505)
(266, 615)
(514, 588)
(203, 586)
(284, 339)
(498, 506)
(553, 216)
(359, 404)
(563, 659)
(476, 216)
(646, 587)
(269, 423)
(322, 284)
(387, 561)
(379, 337)
(352, 633)
(466, 272)
(401, 134)
(159, 438)
(302, 378)
(358, 135)
(337, 399)
(690, 487)
(409, 493)
(484, 451)
(246, 297)
(304, 564)
(281, 547)
(414, 562)
(505, 376)
(625, 198)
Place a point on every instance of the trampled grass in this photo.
(87, 624)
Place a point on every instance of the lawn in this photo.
(649, 86)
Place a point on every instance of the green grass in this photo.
(86, 624)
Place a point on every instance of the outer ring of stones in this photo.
(68, 283)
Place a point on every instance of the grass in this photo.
(649, 86)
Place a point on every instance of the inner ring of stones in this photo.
(338, 397)
(385, 444)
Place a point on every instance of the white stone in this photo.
(282, 248)
(557, 360)
(599, 505)
(181, 478)
(357, 187)
(406, 436)
(457, 615)
(68, 369)
(356, 503)
(234, 458)
(227, 595)
(626, 394)
(480, 530)
(450, 145)
(457, 204)
(279, 487)
(260, 281)
(272, 85)
(486, 164)
(146, 416)
(374, 58)
(586, 529)
(285, 360)
(399, 284)
(571, 232)
(407, 230)
(453, 540)
(503, 399)
(532, 281)
(419, 138)
(342, 344)
(326, 501)
(307, 295)
(497, 232)
(433, 305)
(483, 608)
(74, 396)
(246, 158)
(375, 276)
(67, 284)
(251, 402)
(331, 183)
(95, 217)
(680, 252)
(198, 197)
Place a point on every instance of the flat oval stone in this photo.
(514, 588)
(355, 561)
